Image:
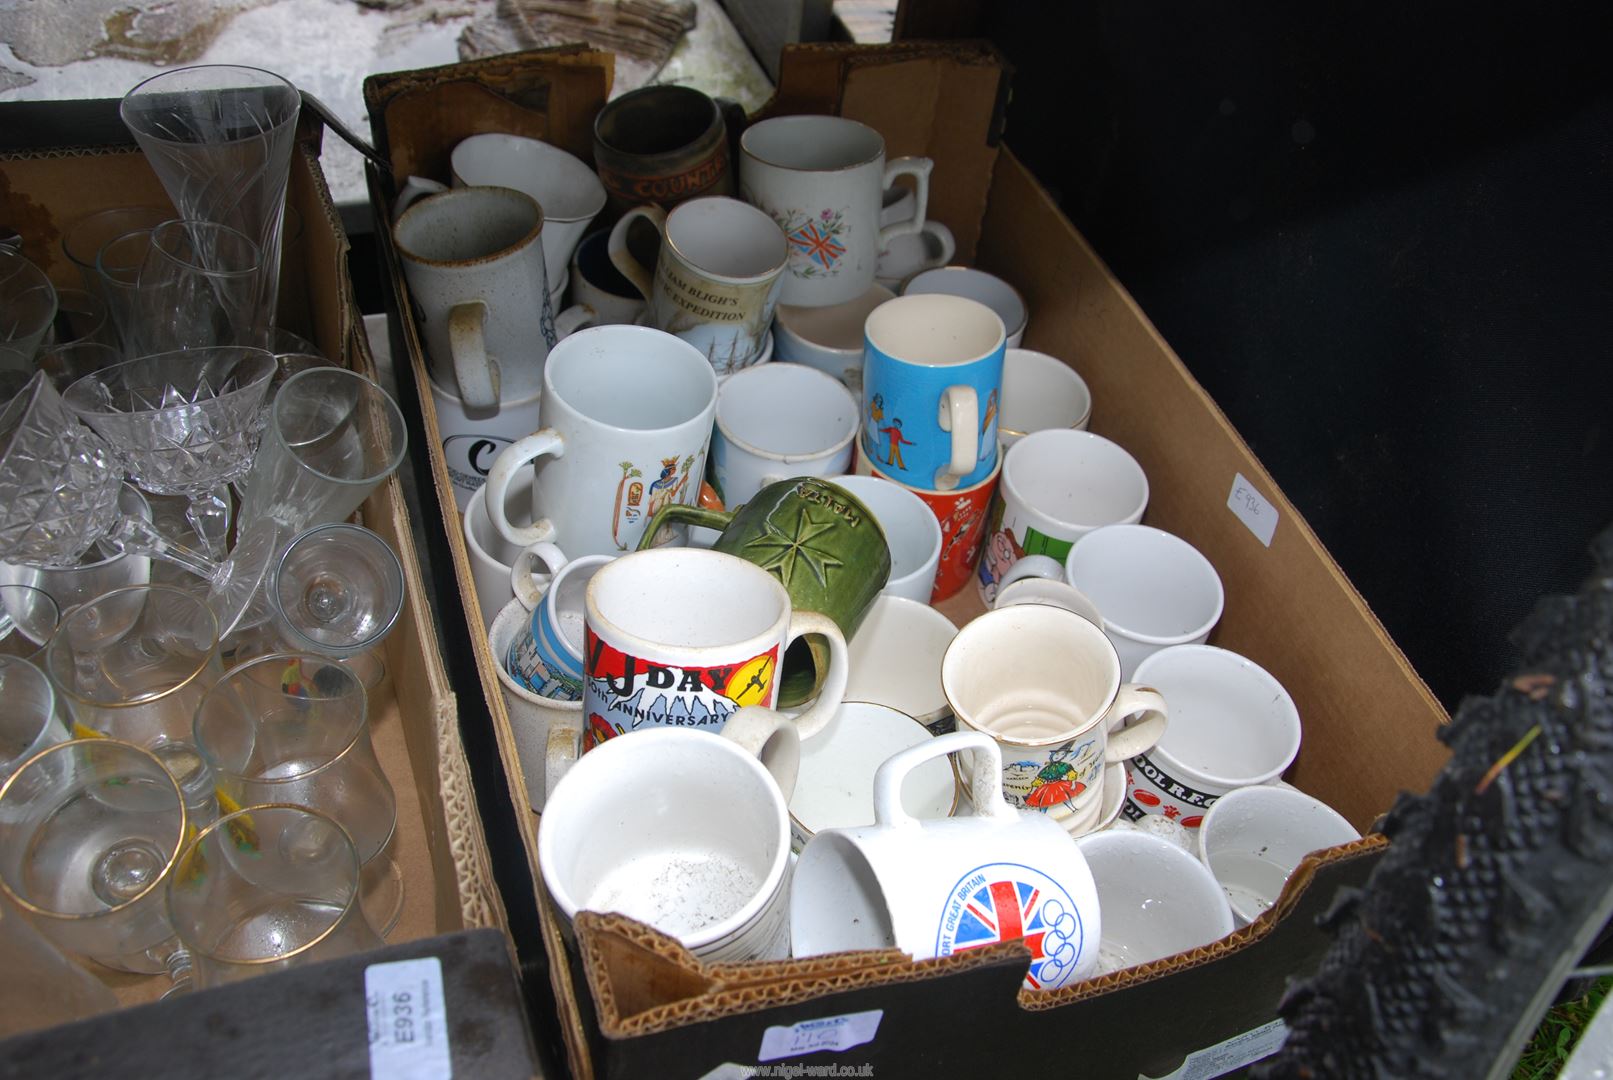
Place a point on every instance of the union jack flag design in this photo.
(817, 244)
(1009, 910)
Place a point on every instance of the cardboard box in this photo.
(632, 1001)
(439, 843)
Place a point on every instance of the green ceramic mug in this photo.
(819, 541)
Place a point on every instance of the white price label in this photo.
(1252, 509)
(1235, 1053)
(810, 1036)
(408, 1019)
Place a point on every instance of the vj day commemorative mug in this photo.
(823, 179)
(1045, 684)
(932, 371)
(937, 887)
(629, 413)
(662, 145)
(716, 280)
(474, 261)
(684, 637)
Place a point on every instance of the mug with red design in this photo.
(962, 515)
(1232, 725)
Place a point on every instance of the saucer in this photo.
(1114, 794)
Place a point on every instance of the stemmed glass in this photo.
(28, 618)
(184, 422)
(267, 888)
(293, 728)
(337, 591)
(89, 831)
(101, 569)
(198, 285)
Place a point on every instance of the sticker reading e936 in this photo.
(408, 1020)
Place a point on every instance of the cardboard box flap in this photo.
(941, 100)
(417, 117)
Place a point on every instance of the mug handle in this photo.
(413, 190)
(770, 737)
(1042, 566)
(679, 514)
(1138, 738)
(817, 718)
(985, 780)
(474, 371)
(919, 169)
(643, 280)
(959, 413)
(548, 441)
(561, 753)
(574, 318)
(945, 245)
(553, 559)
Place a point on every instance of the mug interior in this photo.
(686, 598)
(836, 326)
(631, 377)
(812, 143)
(468, 225)
(978, 285)
(566, 188)
(1078, 479)
(655, 120)
(1148, 583)
(726, 238)
(845, 906)
(1040, 391)
(911, 531)
(822, 415)
(1230, 720)
(936, 331)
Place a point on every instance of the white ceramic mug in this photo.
(1045, 684)
(911, 531)
(1039, 392)
(491, 556)
(828, 338)
(473, 437)
(776, 422)
(1155, 589)
(1057, 486)
(1232, 725)
(473, 258)
(597, 284)
(1254, 837)
(547, 731)
(1157, 900)
(685, 831)
(934, 888)
(977, 285)
(628, 411)
(685, 637)
(896, 660)
(717, 278)
(1049, 589)
(823, 179)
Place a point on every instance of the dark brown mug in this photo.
(662, 145)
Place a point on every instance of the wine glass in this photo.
(337, 590)
(27, 303)
(267, 888)
(101, 569)
(198, 285)
(293, 728)
(29, 722)
(184, 422)
(28, 618)
(89, 831)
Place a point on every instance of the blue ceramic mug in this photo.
(932, 375)
(546, 658)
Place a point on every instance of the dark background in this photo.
(1378, 235)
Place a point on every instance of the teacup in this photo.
(980, 286)
(828, 338)
(1157, 900)
(1040, 392)
(775, 421)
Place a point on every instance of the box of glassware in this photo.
(432, 868)
(632, 1001)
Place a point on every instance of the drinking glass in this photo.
(27, 303)
(117, 272)
(219, 138)
(184, 422)
(135, 663)
(28, 723)
(84, 239)
(42, 988)
(64, 365)
(16, 367)
(80, 316)
(28, 618)
(89, 832)
(267, 888)
(336, 590)
(199, 284)
(292, 728)
(101, 569)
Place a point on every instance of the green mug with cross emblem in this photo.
(819, 541)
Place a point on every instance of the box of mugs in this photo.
(985, 628)
(425, 868)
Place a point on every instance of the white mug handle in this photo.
(553, 559)
(939, 239)
(413, 190)
(1126, 742)
(770, 737)
(815, 719)
(574, 318)
(985, 779)
(1041, 566)
(919, 169)
(474, 371)
(561, 753)
(547, 442)
(643, 279)
(960, 414)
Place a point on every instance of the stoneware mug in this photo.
(473, 258)
(685, 831)
(547, 659)
(932, 370)
(819, 541)
(683, 637)
(775, 421)
(716, 280)
(938, 887)
(1045, 684)
(823, 179)
(629, 413)
(662, 145)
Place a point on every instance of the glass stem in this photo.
(136, 535)
(209, 515)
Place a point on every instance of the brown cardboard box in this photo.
(439, 843)
(631, 1001)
